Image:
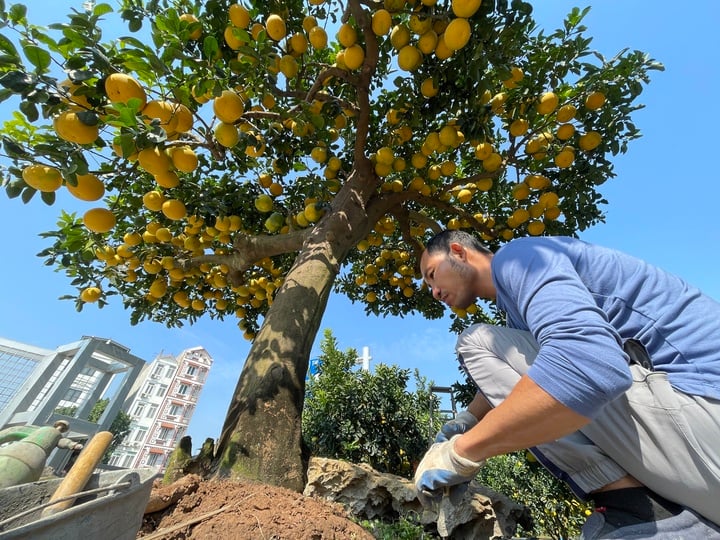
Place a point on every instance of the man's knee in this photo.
(477, 336)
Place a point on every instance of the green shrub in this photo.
(369, 417)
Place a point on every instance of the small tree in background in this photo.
(120, 426)
(367, 417)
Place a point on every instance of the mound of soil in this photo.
(220, 509)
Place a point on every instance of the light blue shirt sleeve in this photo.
(580, 361)
(582, 301)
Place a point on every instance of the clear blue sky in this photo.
(662, 207)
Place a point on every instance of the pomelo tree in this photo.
(245, 160)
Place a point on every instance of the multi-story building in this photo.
(161, 405)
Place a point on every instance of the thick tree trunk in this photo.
(261, 438)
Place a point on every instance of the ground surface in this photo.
(212, 509)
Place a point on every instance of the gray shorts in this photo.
(667, 440)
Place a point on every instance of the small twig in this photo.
(193, 521)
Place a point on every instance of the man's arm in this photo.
(528, 417)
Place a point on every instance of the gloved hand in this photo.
(442, 467)
(463, 422)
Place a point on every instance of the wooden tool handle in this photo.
(80, 472)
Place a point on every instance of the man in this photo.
(609, 369)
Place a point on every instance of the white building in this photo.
(161, 405)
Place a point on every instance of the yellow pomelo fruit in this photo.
(590, 140)
(120, 88)
(519, 127)
(132, 239)
(409, 58)
(312, 212)
(564, 158)
(442, 51)
(547, 103)
(227, 134)
(429, 88)
(299, 43)
(161, 110)
(448, 135)
(457, 34)
(228, 107)
(181, 299)
(99, 220)
(464, 196)
(309, 22)
(233, 41)
(275, 189)
(535, 228)
(399, 36)
(319, 154)
(154, 160)
(90, 294)
(274, 222)
(42, 177)
(239, 16)
(520, 191)
(189, 18)
(595, 100)
(465, 8)
(184, 118)
(153, 200)
(566, 113)
(565, 131)
(427, 42)
(289, 66)
(492, 162)
(393, 6)
(69, 93)
(537, 181)
(89, 187)
(158, 288)
(275, 26)
(385, 155)
(264, 203)
(354, 56)
(483, 150)
(167, 179)
(184, 159)
(553, 212)
(381, 22)
(419, 24)
(70, 127)
(347, 35)
(174, 209)
(318, 37)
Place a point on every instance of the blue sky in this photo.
(662, 208)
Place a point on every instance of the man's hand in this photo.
(442, 468)
(463, 422)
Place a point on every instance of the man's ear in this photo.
(458, 250)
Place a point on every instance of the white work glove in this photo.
(463, 422)
(441, 468)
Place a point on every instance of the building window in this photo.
(191, 371)
(165, 433)
(175, 410)
(183, 389)
(149, 390)
(161, 391)
(152, 411)
(127, 461)
(170, 371)
(153, 459)
(73, 395)
(140, 435)
(157, 372)
(139, 410)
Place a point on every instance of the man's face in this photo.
(450, 277)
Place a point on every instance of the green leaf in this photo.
(14, 189)
(40, 58)
(17, 13)
(48, 197)
(27, 194)
(29, 110)
(102, 9)
(18, 81)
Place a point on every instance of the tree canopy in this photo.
(244, 159)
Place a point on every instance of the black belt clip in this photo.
(637, 353)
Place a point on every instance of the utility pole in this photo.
(364, 360)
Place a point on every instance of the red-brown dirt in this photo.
(220, 509)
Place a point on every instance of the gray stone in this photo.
(369, 494)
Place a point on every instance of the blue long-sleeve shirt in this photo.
(581, 301)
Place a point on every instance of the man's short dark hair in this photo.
(442, 240)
